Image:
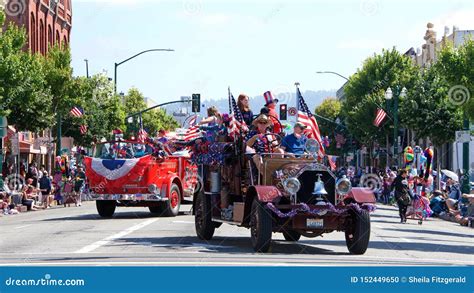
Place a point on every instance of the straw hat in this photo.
(262, 119)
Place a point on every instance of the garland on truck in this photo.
(321, 210)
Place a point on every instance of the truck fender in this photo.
(360, 195)
(167, 182)
(263, 193)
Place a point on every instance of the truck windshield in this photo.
(122, 150)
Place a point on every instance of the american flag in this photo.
(379, 117)
(237, 123)
(77, 112)
(142, 135)
(193, 120)
(83, 129)
(307, 118)
(332, 162)
(192, 133)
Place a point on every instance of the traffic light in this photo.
(196, 103)
(283, 112)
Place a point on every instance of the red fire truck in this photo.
(131, 174)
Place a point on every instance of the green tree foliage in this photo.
(330, 108)
(429, 111)
(153, 120)
(24, 98)
(59, 80)
(103, 111)
(456, 65)
(365, 92)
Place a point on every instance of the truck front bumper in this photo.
(129, 197)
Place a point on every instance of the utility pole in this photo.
(59, 135)
(466, 188)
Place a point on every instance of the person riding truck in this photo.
(261, 141)
(270, 104)
(295, 143)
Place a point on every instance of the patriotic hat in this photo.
(269, 98)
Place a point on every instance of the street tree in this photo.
(152, 121)
(429, 111)
(24, 99)
(365, 92)
(58, 74)
(103, 110)
(456, 65)
(330, 109)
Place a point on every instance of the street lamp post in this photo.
(134, 56)
(395, 94)
(332, 72)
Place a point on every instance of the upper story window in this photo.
(53, 4)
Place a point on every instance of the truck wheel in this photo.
(106, 208)
(203, 217)
(173, 203)
(358, 235)
(291, 235)
(261, 223)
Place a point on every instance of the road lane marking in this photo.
(183, 222)
(21, 227)
(107, 240)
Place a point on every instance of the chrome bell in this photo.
(319, 187)
(319, 191)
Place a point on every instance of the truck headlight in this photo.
(312, 146)
(343, 186)
(153, 188)
(292, 185)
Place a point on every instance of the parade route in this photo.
(78, 236)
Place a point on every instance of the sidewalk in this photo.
(21, 209)
(444, 217)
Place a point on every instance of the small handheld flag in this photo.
(77, 112)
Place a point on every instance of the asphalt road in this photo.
(77, 236)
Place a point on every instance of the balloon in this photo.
(408, 155)
(422, 160)
(428, 153)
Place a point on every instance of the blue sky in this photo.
(252, 46)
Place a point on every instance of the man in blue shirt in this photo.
(295, 142)
(454, 193)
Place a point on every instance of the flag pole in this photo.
(230, 104)
(297, 84)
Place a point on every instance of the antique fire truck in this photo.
(131, 174)
(295, 196)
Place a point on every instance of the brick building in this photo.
(46, 22)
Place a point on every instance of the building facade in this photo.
(47, 22)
